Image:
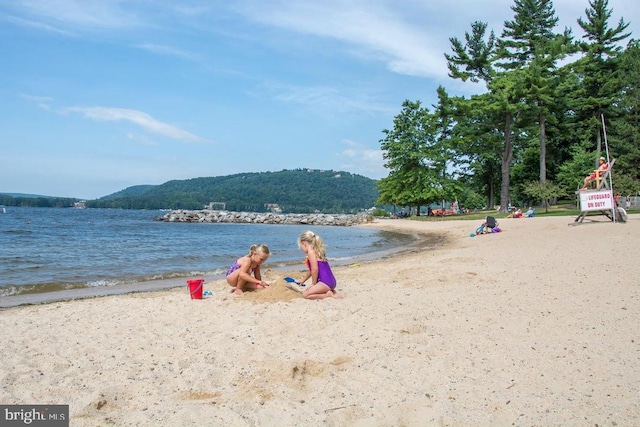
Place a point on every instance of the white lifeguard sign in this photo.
(596, 200)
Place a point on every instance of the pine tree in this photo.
(597, 70)
(528, 44)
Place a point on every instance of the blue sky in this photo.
(97, 96)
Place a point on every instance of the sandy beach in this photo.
(536, 326)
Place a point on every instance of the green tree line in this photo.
(547, 103)
(294, 191)
(37, 202)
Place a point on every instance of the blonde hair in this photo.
(260, 247)
(316, 243)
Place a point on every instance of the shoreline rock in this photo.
(205, 215)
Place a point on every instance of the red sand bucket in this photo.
(195, 288)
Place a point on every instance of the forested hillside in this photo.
(295, 191)
(136, 190)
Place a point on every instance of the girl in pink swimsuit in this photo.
(323, 282)
(239, 275)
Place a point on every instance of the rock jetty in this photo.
(264, 218)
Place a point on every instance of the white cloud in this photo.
(412, 36)
(168, 51)
(139, 118)
(372, 30)
(328, 99)
(360, 159)
(43, 102)
(78, 13)
(40, 26)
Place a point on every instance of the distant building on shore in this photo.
(273, 207)
(213, 206)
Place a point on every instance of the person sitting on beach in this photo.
(239, 275)
(323, 282)
(602, 166)
(530, 213)
(489, 224)
(515, 213)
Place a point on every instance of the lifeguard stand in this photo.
(600, 201)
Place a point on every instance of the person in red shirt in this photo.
(603, 165)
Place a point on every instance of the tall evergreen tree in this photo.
(598, 71)
(529, 44)
(624, 128)
(474, 60)
(530, 31)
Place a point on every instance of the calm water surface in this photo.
(53, 249)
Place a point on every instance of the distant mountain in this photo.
(134, 191)
(299, 190)
(27, 196)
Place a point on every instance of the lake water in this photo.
(53, 249)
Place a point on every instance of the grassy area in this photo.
(480, 215)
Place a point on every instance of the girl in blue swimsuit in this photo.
(239, 275)
(323, 282)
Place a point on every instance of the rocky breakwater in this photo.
(264, 218)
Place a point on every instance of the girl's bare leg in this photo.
(243, 286)
(238, 285)
(320, 291)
